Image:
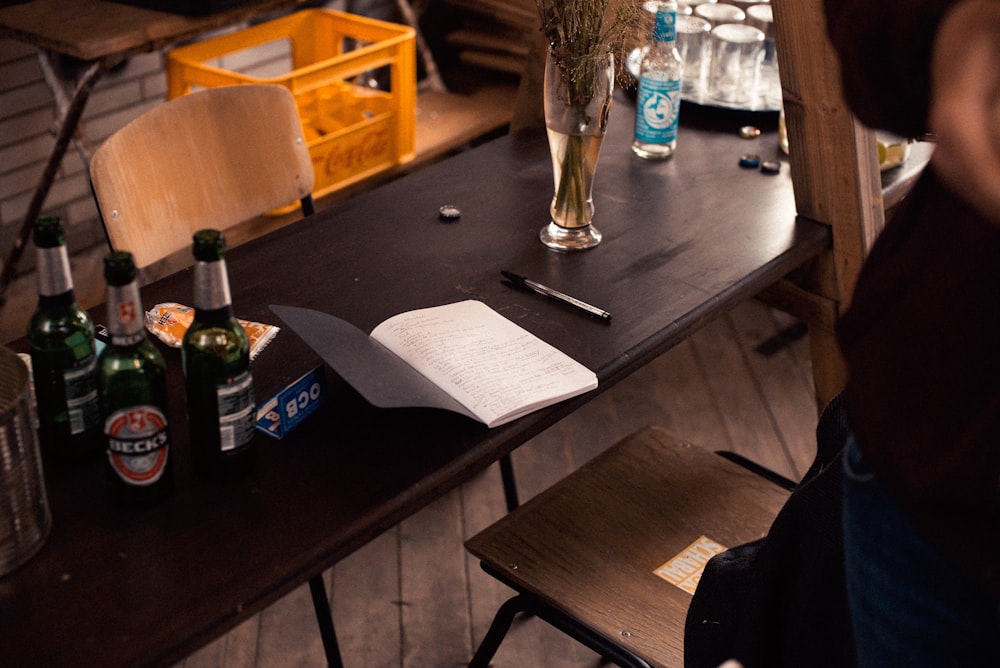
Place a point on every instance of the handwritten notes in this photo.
(496, 369)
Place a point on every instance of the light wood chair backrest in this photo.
(213, 158)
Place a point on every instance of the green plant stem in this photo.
(571, 194)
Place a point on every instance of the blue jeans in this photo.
(909, 605)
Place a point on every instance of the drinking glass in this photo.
(761, 16)
(693, 34)
(720, 13)
(737, 52)
(577, 99)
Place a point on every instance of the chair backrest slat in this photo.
(213, 158)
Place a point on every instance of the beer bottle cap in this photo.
(209, 245)
(119, 268)
(449, 213)
(770, 167)
(49, 232)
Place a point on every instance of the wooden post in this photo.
(835, 170)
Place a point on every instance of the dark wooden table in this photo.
(98, 29)
(683, 240)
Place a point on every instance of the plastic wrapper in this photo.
(169, 321)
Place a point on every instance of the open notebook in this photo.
(462, 357)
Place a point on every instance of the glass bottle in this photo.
(63, 358)
(658, 102)
(133, 383)
(216, 360)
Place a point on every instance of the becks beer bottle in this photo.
(63, 359)
(216, 358)
(133, 384)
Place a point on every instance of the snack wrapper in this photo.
(169, 321)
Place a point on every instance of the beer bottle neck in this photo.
(212, 301)
(125, 316)
(54, 278)
(218, 316)
(211, 286)
(56, 301)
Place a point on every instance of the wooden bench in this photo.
(582, 555)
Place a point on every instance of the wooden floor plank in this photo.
(435, 612)
(672, 392)
(365, 595)
(236, 649)
(482, 504)
(785, 384)
(743, 409)
(289, 634)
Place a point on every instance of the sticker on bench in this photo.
(684, 570)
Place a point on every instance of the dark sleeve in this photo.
(884, 48)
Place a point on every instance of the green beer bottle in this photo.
(133, 383)
(216, 359)
(63, 359)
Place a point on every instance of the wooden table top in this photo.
(683, 240)
(95, 29)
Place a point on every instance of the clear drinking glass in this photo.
(693, 35)
(737, 53)
(720, 13)
(577, 94)
(761, 16)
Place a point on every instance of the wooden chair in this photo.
(213, 158)
(583, 554)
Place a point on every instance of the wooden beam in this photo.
(834, 161)
(834, 166)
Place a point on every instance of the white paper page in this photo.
(495, 368)
(377, 373)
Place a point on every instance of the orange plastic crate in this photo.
(324, 57)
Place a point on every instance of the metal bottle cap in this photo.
(209, 245)
(48, 232)
(119, 268)
(449, 213)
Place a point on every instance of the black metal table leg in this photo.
(509, 484)
(324, 617)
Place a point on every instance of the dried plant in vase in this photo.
(586, 38)
(578, 28)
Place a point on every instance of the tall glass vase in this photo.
(577, 104)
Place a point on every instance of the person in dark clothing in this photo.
(921, 340)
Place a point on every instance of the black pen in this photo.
(521, 281)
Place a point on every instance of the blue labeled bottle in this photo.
(658, 102)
